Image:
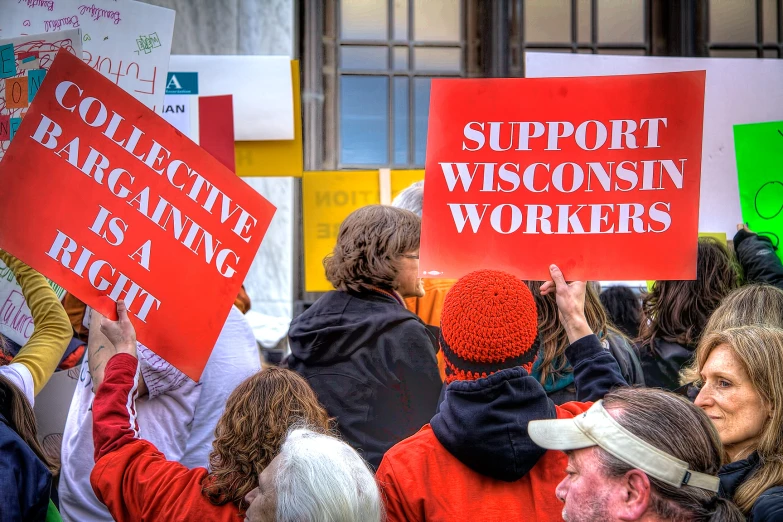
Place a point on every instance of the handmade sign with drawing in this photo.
(23, 64)
(159, 222)
(759, 150)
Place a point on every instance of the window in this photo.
(379, 59)
(745, 28)
(578, 26)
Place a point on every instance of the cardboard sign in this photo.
(759, 149)
(127, 42)
(737, 91)
(598, 175)
(327, 199)
(23, 64)
(125, 206)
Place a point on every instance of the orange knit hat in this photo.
(488, 323)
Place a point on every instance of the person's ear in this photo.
(635, 495)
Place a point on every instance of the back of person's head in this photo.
(551, 333)
(321, 479)
(249, 434)
(411, 198)
(624, 309)
(370, 241)
(749, 305)
(672, 424)
(488, 323)
(677, 311)
(759, 349)
(20, 417)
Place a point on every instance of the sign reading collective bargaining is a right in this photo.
(599, 175)
(107, 199)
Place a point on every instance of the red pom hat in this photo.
(489, 323)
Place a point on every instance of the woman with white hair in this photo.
(316, 478)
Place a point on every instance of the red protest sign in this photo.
(599, 175)
(107, 199)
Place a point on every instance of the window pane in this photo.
(400, 58)
(364, 19)
(400, 19)
(364, 58)
(731, 53)
(639, 52)
(364, 120)
(548, 21)
(621, 21)
(583, 18)
(401, 127)
(732, 21)
(437, 20)
(437, 59)
(421, 106)
(770, 21)
(770, 53)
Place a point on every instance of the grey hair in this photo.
(321, 479)
(411, 198)
(672, 424)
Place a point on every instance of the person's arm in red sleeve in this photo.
(131, 477)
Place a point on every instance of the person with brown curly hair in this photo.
(136, 482)
(370, 360)
(676, 312)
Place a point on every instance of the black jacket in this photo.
(768, 507)
(372, 364)
(627, 359)
(25, 482)
(662, 366)
(757, 256)
(483, 423)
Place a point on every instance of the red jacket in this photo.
(131, 476)
(475, 460)
(422, 481)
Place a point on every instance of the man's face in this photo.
(585, 490)
(263, 499)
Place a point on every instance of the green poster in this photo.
(759, 149)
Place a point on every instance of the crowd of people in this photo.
(486, 398)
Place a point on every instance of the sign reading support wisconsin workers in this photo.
(182, 83)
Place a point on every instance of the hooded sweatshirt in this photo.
(476, 461)
(372, 364)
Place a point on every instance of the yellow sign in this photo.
(720, 236)
(402, 179)
(327, 199)
(276, 157)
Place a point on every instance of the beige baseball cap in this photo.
(596, 427)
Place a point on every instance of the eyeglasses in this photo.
(411, 256)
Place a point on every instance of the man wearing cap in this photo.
(475, 459)
(639, 454)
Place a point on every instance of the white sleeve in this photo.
(18, 374)
(159, 375)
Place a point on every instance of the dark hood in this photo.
(734, 474)
(483, 423)
(340, 323)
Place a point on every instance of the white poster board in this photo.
(261, 86)
(16, 320)
(739, 90)
(128, 42)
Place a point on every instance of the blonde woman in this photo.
(742, 393)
